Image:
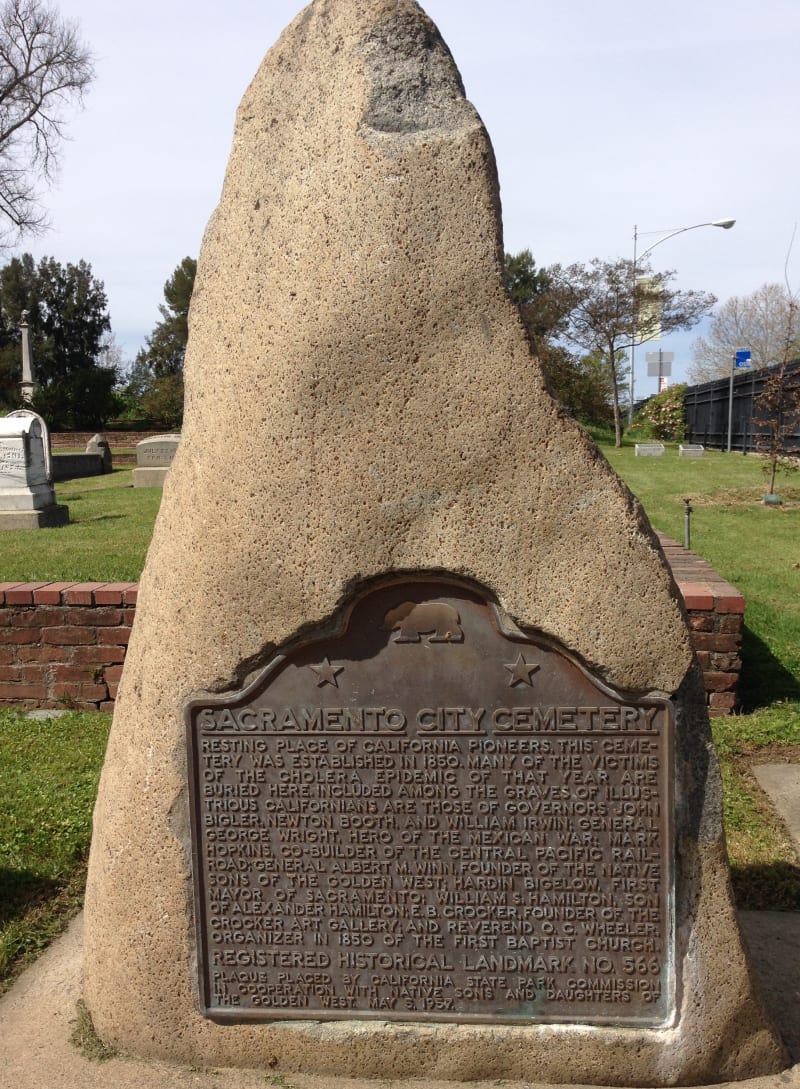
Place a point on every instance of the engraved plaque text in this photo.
(432, 816)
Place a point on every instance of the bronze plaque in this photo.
(432, 816)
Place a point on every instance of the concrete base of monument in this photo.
(46, 518)
(38, 1017)
(150, 478)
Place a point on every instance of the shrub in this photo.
(663, 417)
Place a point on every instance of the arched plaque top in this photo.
(423, 612)
(429, 794)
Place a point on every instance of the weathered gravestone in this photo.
(410, 772)
(98, 444)
(153, 458)
(27, 498)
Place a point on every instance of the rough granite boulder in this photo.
(361, 400)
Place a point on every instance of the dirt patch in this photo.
(748, 497)
(777, 754)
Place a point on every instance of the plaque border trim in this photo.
(337, 625)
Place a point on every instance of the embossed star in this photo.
(520, 671)
(326, 673)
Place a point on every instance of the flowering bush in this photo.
(662, 417)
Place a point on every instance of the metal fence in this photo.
(707, 407)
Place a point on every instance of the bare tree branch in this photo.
(761, 321)
(44, 70)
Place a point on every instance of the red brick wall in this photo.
(716, 617)
(77, 440)
(62, 644)
(117, 440)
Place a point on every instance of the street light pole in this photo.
(725, 224)
(633, 336)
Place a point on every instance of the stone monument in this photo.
(153, 459)
(27, 385)
(27, 498)
(410, 772)
(98, 444)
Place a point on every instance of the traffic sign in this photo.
(659, 364)
(741, 358)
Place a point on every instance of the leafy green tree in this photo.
(578, 381)
(44, 67)
(581, 384)
(69, 331)
(542, 306)
(524, 282)
(163, 400)
(166, 345)
(156, 376)
(610, 308)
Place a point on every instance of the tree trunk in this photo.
(617, 423)
(615, 395)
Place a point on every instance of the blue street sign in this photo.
(742, 358)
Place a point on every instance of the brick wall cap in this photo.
(49, 593)
(23, 593)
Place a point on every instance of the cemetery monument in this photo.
(153, 459)
(98, 444)
(410, 773)
(27, 497)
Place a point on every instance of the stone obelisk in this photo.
(27, 385)
(362, 410)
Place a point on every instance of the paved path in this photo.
(782, 783)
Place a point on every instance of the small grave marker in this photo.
(98, 444)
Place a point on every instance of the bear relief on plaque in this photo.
(431, 815)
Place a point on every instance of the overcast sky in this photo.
(602, 116)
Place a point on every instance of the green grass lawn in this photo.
(48, 771)
(764, 862)
(48, 781)
(755, 547)
(110, 526)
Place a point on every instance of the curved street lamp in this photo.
(725, 224)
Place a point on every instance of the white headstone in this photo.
(153, 459)
(157, 452)
(27, 498)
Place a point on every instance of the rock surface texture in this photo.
(361, 400)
